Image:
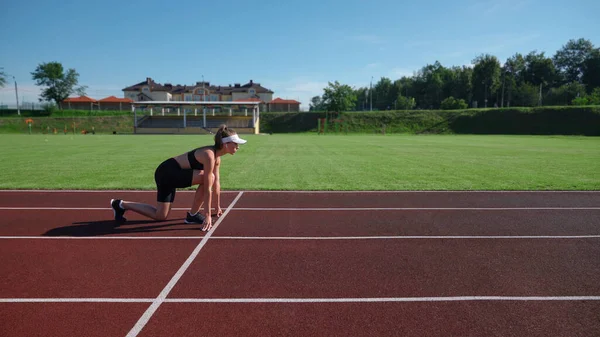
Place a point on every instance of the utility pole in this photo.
(17, 95)
(371, 94)
(503, 80)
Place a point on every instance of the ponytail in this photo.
(221, 133)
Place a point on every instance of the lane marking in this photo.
(305, 191)
(372, 237)
(406, 237)
(303, 300)
(165, 292)
(386, 299)
(76, 300)
(24, 237)
(410, 208)
(321, 208)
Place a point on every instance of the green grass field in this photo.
(310, 162)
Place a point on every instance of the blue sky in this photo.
(293, 48)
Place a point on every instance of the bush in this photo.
(451, 103)
(591, 99)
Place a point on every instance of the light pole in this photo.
(371, 94)
(17, 95)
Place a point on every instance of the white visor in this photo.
(234, 139)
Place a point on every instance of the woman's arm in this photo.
(217, 188)
(209, 179)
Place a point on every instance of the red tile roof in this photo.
(113, 99)
(80, 99)
(284, 101)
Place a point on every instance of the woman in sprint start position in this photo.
(196, 167)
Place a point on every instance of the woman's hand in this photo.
(207, 224)
(219, 212)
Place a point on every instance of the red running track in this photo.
(406, 263)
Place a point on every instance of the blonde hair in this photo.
(222, 133)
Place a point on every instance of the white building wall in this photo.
(131, 94)
(266, 97)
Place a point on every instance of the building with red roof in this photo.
(284, 105)
(88, 103)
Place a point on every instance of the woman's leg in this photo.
(160, 212)
(198, 179)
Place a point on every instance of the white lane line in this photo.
(405, 237)
(385, 299)
(410, 208)
(101, 191)
(23, 237)
(76, 300)
(323, 208)
(373, 237)
(303, 300)
(311, 192)
(165, 292)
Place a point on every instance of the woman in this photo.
(197, 167)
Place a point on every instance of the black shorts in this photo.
(169, 176)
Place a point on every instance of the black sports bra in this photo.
(194, 163)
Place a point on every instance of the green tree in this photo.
(539, 71)
(591, 71)
(526, 95)
(382, 94)
(362, 98)
(486, 77)
(59, 85)
(564, 94)
(513, 74)
(591, 99)
(316, 104)
(570, 58)
(458, 83)
(3, 79)
(430, 84)
(339, 97)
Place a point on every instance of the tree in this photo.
(513, 72)
(459, 83)
(339, 97)
(486, 77)
(382, 94)
(539, 71)
(564, 94)
(591, 71)
(404, 103)
(570, 58)
(2, 79)
(59, 85)
(362, 97)
(316, 104)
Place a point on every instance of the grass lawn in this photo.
(310, 162)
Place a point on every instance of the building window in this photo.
(252, 92)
